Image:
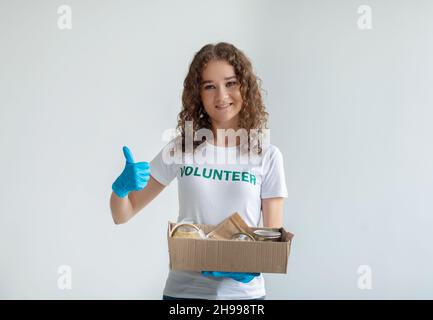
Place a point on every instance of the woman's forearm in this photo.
(121, 208)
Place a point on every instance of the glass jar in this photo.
(243, 237)
(187, 230)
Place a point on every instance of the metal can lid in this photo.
(269, 234)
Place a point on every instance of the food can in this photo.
(267, 235)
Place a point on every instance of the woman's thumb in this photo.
(128, 154)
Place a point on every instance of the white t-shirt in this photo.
(209, 193)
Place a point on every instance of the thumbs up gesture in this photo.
(134, 176)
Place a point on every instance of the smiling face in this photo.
(221, 95)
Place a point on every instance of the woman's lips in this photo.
(224, 106)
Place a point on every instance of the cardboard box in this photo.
(229, 255)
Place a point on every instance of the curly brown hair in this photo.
(252, 114)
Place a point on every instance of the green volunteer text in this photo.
(215, 174)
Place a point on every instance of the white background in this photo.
(350, 109)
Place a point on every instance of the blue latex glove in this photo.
(238, 276)
(134, 176)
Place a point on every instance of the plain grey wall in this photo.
(350, 109)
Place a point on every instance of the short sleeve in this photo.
(162, 167)
(274, 179)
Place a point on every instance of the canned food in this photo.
(187, 230)
(243, 237)
(267, 235)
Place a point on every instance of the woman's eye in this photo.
(228, 84)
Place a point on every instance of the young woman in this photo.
(221, 92)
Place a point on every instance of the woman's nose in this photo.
(222, 94)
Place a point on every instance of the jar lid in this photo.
(269, 234)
